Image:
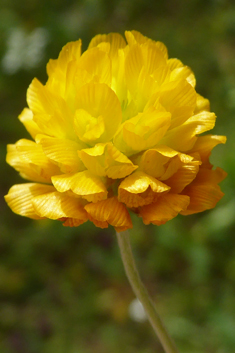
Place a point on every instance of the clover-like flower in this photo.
(115, 129)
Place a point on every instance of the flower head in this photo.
(115, 129)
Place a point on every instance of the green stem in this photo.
(142, 294)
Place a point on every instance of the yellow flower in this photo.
(115, 129)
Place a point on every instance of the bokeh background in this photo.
(63, 289)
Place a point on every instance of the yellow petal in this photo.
(26, 117)
(26, 170)
(177, 94)
(205, 144)
(109, 211)
(19, 198)
(142, 132)
(25, 154)
(87, 127)
(153, 161)
(55, 205)
(179, 71)
(106, 160)
(83, 184)
(140, 189)
(167, 207)
(71, 51)
(136, 37)
(133, 65)
(115, 39)
(51, 113)
(201, 104)
(62, 151)
(99, 102)
(183, 138)
(97, 63)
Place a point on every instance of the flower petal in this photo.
(26, 117)
(106, 160)
(109, 211)
(98, 64)
(183, 138)
(136, 37)
(183, 177)
(55, 205)
(140, 189)
(28, 158)
(167, 207)
(71, 51)
(177, 94)
(62, 151)
(115, 39)
(19, 198)
(84, 184)
(205, 144)
(142, 132)
(98, 100)
(50, 111)
(204, 191)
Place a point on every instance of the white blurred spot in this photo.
(24, 50)
(136, 311)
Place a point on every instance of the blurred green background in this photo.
(63, 289)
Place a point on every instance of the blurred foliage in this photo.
(64, 290)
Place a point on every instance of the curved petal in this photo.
(19, 198)
(115, 39)
(98, 64)
(84, 184)
(204, 191)
(28, 158)
(167, 207)
(100, 103)
(136, 37)
(140, 189)
(55, 205)
(177, 94)
(109, 211)
(142, 132)
(106, 160)
(71, 51)
(62, 151)
(183, 177)
(183, 138)
(205, 144)
(50, 111)
(26, 117)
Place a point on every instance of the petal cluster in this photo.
(118, 128)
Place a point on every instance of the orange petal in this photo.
(19, 198)
(109, 211)
(184, 176)
(167, 207)
(204, 191)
